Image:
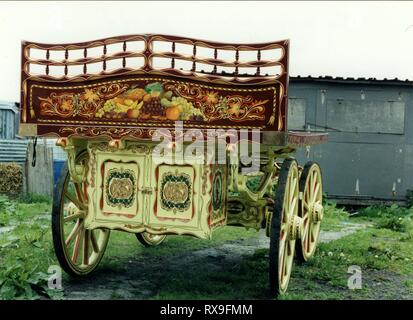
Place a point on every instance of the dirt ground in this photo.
(146, 277)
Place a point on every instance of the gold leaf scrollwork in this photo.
(157, 101)
(214, 106)
(85, 104)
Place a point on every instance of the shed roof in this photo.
(384, 81)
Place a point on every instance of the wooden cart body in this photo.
(113, 101)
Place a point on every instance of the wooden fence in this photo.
(39, 179)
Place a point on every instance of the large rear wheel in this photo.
(77, 249)
(285, 226)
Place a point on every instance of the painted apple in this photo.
(133, 113)
(172, 113)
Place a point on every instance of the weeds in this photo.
(7, 208)
(334, 217)
(23, 281)
(23, 261)
(393, 218)
(34, 198)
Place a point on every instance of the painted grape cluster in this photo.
(152, 102)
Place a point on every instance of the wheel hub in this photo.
(316, 211)
(295, 228)
(72, 209)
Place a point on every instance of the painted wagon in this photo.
(153, 127)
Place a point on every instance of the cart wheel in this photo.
(285, 226)
(311, 210)
(150, 240)
(78, 250)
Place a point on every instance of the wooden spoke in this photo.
(73, 199)
(311, 187)
(79, 192)
(305, 204)
(74, 216)
(316, 192)
(75, 231)
(76, 248)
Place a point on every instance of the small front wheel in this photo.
(149, 239)
(310, 210)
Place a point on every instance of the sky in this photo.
(343, 38)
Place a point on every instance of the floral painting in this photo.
(155, 101)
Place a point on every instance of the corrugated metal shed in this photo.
(369, 154)
(9, 120)
(348, 80)
(12, 146)
(13, 151)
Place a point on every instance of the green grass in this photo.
(384, 247)
(334, 217)
(25, 252)
(383, 250)
(34, 198)
(394, 217)
(323, 277)
(123, 246)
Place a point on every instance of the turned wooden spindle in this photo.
(258, 59)
(104, 56)
(193, 59)
(85, 65)
(28, 65)
(236, 61)
(173, 59)
(215, 57)
(47, 58)
(66, 58)
(124, 59)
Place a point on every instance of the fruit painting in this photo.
(151, 103)
(154, 101)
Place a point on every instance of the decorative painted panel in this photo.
(175, 192)
(140, 103)
(217, 208)
(115, 180)
(119, 188)
(153, 100)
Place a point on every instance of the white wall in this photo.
(359, 39)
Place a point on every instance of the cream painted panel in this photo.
(175, 214)
(102, 213)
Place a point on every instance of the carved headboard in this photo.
(129, 85)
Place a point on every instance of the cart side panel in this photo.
(133, 191)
